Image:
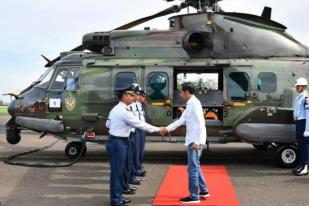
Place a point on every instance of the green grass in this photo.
(3, 110)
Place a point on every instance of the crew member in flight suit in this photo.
(301, 117)
(119, 122)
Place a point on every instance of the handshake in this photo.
(163, 131)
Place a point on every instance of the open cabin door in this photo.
(158, 83)
(208, 82)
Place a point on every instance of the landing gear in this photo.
(73, 149)
(286, 156)
(13, 135)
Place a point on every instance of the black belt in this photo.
(119, 138)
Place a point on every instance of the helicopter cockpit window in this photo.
(45, 78)
(66, 79)
(124, 80)
(238, 86)
(157, 85)
(267, 82)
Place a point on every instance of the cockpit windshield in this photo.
(45, 79)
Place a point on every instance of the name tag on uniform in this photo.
(55, 103)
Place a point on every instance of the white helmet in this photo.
(301, 82)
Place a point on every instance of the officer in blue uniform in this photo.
(301, 117)
(135, 140)
(141, 102)
(119, 122)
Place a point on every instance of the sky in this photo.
(31, 28)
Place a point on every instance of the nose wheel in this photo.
(286, 156)
(73, 149)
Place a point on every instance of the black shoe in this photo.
(133, 188)
(119, 204)
(142, 173)
(204, 194)
(135, 182)
(126, 200)
(139, 179)
(189, 200)
(297, 169)
(302, 172)
(129, 191)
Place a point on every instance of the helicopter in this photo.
(244, 67)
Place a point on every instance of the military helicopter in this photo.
(243, 65)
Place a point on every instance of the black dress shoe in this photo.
(297, 169)
(302, 172)
(129, 191)
(135, 182)
(142, 174)
(132, 188)
(126, 200)
(119, 204)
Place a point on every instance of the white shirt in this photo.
(121, 119)
(193, 118)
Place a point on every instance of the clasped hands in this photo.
(163, 131)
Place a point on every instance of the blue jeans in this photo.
(196, 177)
(117, 150)
(302, 142)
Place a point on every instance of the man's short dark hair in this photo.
(188, 86)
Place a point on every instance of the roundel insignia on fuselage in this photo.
(70, 104)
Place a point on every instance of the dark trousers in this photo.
(142, 140)
(302, 142)
(128, 165)
(134, 154)
(117, 150)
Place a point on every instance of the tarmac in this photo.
(256, 179)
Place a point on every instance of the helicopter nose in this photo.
(11, 108)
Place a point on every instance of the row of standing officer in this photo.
(126, 142)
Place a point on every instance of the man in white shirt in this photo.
(193, 118)
(119, 122)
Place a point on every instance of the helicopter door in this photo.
(158, 83)
(63, 91)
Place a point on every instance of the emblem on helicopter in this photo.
(70, 104)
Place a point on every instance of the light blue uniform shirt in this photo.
(121, 120)
(300, 111)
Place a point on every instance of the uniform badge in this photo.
(70, 104)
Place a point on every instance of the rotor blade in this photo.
(52, 62)
(172, 9)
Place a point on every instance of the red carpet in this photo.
(175, 186)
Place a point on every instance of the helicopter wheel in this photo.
(73, 149)
(286, 156)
